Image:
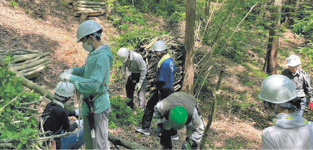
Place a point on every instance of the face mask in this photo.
(88, 48)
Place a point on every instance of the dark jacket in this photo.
(55, 119)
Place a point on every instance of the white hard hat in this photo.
(293, 60)
(278, 89)
(159, 46)
(86, 28)
(64, 89)
(122, 54)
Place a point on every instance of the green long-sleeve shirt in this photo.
(93, 78)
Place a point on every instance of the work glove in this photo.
(190, 144)
(70, 71)
(310, 107)
(160, 130)
(65, 76)
(79, 123)
(138, 86)
(77, 113)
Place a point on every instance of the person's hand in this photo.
(310, 107)
(138, 86)
(65, 76)
(79, 123)
(77, 113)
(70, 71)
(190, 144)
(160, 130)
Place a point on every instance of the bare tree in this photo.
(189, 45)
(270, 66)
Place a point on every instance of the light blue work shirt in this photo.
(93, 78)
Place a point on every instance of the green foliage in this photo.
(173, 10)
(122, 115)
(13, 3)
(17, 122)
(127, 17)
(304, 22)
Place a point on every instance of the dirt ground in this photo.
(50, 27)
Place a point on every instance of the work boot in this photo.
(175, 137)
(143, 131)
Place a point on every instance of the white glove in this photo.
(138, 86)
(79, 123)
(77, 112)
(65, 76)
(70, 71)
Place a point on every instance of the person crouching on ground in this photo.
(55, 118)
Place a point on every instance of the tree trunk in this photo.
(189, 45)
(270, 66)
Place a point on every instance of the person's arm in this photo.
(307, 86)
(143, 69)
(66, 122)
(196, 128)
(157, 114)
(79, 71)
(91, 85)
(267, 142)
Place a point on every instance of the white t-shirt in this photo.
(290, 131)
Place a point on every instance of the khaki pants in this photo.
(101, 140)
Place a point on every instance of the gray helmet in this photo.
(64, 89)
(278, 89)
(86, 28)
(293, 60)
(159, 46)
(122, 54)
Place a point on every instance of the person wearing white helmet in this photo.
(302, 81)
(55, 118)
(164, 82)
(136, 76)
(290, 130)
(92, 81)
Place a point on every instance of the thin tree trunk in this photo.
(212, 113)
(262, 11)
(189, 46)
(270, 66)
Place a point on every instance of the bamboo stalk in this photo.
(31, 60)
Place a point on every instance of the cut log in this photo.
(89, 9)
(32, 64)
(89, 2)
(119, 141)
(34, 68)
(88, 6)
(18, 58)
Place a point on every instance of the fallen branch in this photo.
(32, 64)
(6, 145)
(13, 100)
(27, 82)
(33, 68)
(18, 58)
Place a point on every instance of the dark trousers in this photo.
(148, 114)
(166, 140)
(132, 80)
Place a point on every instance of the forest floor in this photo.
(44, 25)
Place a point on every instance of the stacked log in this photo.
(28, 63)
(88, 8)
(177, 51)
